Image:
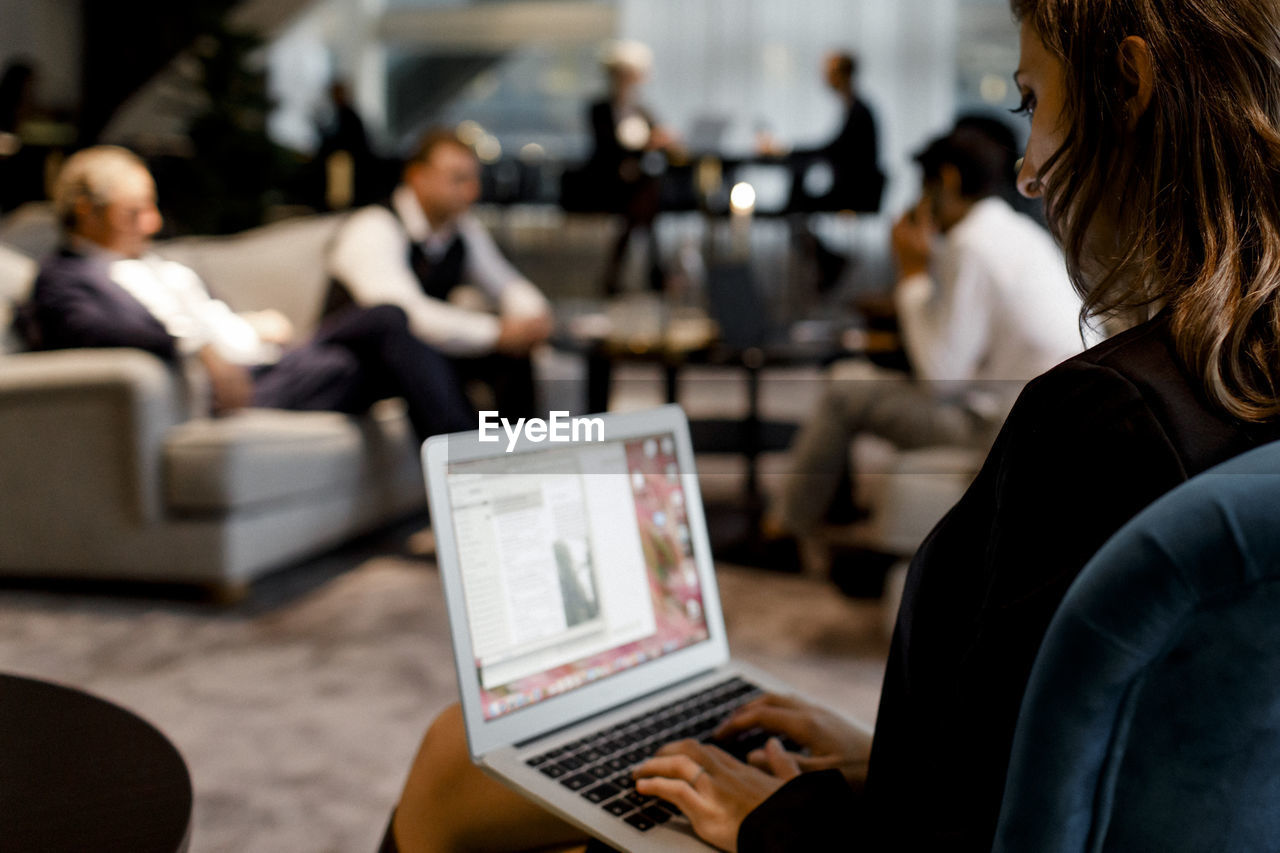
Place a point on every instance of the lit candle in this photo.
(742, 205)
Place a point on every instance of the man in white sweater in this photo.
(416, 249)
(981, 312)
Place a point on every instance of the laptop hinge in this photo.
(664, 689)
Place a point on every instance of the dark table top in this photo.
(78, 773)
(703, 347)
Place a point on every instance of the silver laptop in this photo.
(583, 607)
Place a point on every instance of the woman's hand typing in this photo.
(830, 740)
(714, 790)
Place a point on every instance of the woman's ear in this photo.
(1137, 69)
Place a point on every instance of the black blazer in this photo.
(853, 155)
(607, 151)
(1087, 446)
(74, 303)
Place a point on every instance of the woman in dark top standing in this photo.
(1155, 143)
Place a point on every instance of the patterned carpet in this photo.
(298, 710)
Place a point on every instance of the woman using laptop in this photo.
(1155, 144)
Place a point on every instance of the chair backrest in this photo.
(1152, 718)
(737, 305)
(283, 266)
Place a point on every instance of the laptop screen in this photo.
(576, 564)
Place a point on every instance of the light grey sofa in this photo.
(105, 474)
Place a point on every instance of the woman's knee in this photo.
(449, 804)
(423, 822)
(443, 757)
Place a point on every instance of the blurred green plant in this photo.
(237, 174)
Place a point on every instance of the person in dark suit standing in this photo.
(104, 288)
(626, 163)
(351, 172)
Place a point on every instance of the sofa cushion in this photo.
(263, 455)
(279, 266)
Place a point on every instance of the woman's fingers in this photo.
(675, 791)
(714, 790)
(784, 721)
(671, 765)
(803, 763)
(764, 712)
(780, 763)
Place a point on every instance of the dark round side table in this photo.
(79, 773)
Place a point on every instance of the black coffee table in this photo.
(78, 773)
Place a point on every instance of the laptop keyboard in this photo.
(599, 766)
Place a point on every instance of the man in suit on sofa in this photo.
(103, 288)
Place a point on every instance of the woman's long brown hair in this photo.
(1193, 191)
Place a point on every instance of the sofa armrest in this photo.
(83, 432)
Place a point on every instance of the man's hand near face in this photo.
(912, 241)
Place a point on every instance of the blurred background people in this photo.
(850, 162)
(981, 313)
(852, 156)
(1000, 132)
(349, 167)
(624, 171)
(418, 248)
(104, 288)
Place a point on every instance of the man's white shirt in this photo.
(176, 297)
(996, 310)
(371, 255)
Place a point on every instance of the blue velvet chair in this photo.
(1152, 719)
